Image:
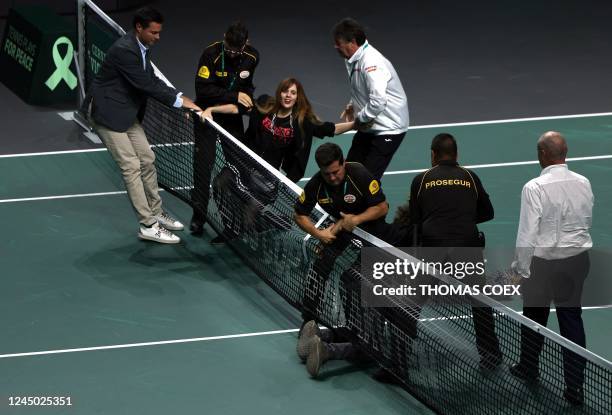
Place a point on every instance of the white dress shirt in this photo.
(178, 102)
(556, 215)
(376, 91)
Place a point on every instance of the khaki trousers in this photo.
(134, 156)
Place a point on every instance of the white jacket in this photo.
(376, 91)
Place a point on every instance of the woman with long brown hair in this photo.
(281, 128)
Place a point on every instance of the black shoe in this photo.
(575, 396)
(491, 362)
(197, 226)
(383, 375)
(218, 240)
(524, 373)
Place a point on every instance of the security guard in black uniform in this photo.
(448, 200)
(446, 203)
(224, 76)
(347, 191)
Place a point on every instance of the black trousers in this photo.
(560, 281)
(318, 276)
(374, 151)
(345, 338)
(204, 159)
(350, 278)
(241, 196)
(342, 342)
(487, 342)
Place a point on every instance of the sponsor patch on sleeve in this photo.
(203, 72)
(374, 187)
(302, 198)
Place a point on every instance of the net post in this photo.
(80, 118)
(81, 48)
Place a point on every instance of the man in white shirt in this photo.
(552, 257)
(378, 101)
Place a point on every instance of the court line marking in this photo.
(29, 199)
(200, 339)
(389, 173)
(52, 153)
(552, 310)
(484, 166)
(145, 344)
(203, 339)
(415, 127)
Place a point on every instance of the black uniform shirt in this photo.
(358, 192)
(448, 201)
(219, 77)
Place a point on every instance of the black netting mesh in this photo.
(431, 347)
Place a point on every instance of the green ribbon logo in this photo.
(62, 66)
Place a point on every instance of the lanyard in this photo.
(343, 193)
(231, 85)
(356, 62)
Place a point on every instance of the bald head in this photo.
(552, 149)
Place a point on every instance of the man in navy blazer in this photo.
(119, 94)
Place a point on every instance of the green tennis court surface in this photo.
(75, 276)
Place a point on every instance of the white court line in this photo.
(389, 173)
(552, 310)
(29, 199)
(484, 166)
(87, 150)
(52, 153)
(118, 192)
(146, 344)
(512, 120)
(203, 339)
(414, 127)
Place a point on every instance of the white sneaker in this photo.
(169, 222)
(159, 234)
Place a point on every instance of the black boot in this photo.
(197, 223)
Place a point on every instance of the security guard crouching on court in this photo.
(349, 192)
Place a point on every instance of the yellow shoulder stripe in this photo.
(252, 56)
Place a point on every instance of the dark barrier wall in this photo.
(69, 6)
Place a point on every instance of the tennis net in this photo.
(436, 359)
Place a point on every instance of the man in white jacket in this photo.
(378, 101)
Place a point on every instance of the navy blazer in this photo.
(122, 86)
